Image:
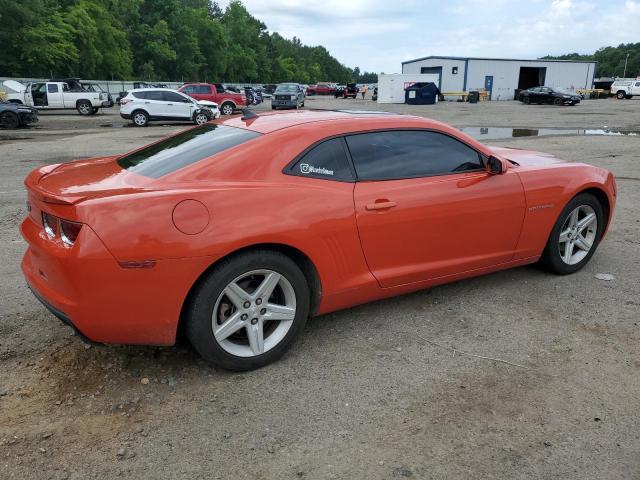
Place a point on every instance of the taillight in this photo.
(124, 101)
(69, 231)
(56, 227)
(50, 224)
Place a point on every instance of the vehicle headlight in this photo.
(566, 96)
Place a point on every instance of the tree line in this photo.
(171, 40)
(611, 60)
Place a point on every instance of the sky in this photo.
(378, 35)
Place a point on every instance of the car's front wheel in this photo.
(200, 118)
(575, 236)
(9, 120)
(248, 310)
(84, 107)
(227, 108)
(621, 95)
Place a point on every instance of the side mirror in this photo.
(495, 166)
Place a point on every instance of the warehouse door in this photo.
(435, 70)
(531, 77)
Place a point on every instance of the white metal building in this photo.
(501, 76)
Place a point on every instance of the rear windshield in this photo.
(184, 149)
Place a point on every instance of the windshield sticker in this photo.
(306, 169)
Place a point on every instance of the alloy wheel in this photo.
(578, 234)
(201, 119)
(253, 313)
(139, 119)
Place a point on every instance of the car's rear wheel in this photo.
(140, 118)
(227, 108)
(621, 95)
(9, 120)
(526, 100)
(248, 310)
(557, 101)
(575, 236)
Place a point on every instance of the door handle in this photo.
(170, 104)
(380, 205)
(147, 102)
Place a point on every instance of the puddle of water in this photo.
(496, 133)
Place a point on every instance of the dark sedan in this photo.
(14, 115)
(555, 96)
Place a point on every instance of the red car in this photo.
(235, 232)
(321, 89)
(227, 101)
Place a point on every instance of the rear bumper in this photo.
(87, 288)
(126, 116)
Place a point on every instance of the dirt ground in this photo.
(406, 387)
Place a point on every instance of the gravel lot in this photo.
(393, 389)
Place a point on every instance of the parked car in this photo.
(56, 96)
(350, 91)
(204, 235)
(218, 93)
(288, 95)
(555, 96)
(321, 89)
(139, 85)
(267, 90)
(625, 88)
(339, 91)
(253, 96)
(148, 104)
(14, 115)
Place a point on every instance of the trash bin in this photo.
(517, 93)
(474, 97)
(422, 93)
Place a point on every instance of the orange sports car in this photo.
(235, 232)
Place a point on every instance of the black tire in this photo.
(621, 95)
(557, 101)
(526, 100)
(84, 107)
(201, 304)
(226, 108)
(140, 118)
(9, 120)
(200, 118)
(551, 259)
(302, 104)
(273, 108)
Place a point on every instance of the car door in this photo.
(534, 94)
(546, 95)
(636, 88)
(178, 106)
(427, 208)
(155, 104)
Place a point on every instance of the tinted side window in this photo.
(409, 153)
(203, 89)
(327, 160)
(141, 95)
(173, 97)
(189, 90)
(157, 95)
(52, 88)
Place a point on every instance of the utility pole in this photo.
(624, 75)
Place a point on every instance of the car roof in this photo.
(272, 121)
(154, 89)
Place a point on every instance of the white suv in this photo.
(625, 88)
(143, 105)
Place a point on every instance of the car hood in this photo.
(82, 179)
(15, 86)
(526, 158)
(207, 103)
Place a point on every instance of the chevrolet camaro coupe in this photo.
(233, 233)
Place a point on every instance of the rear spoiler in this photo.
(32, 184)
